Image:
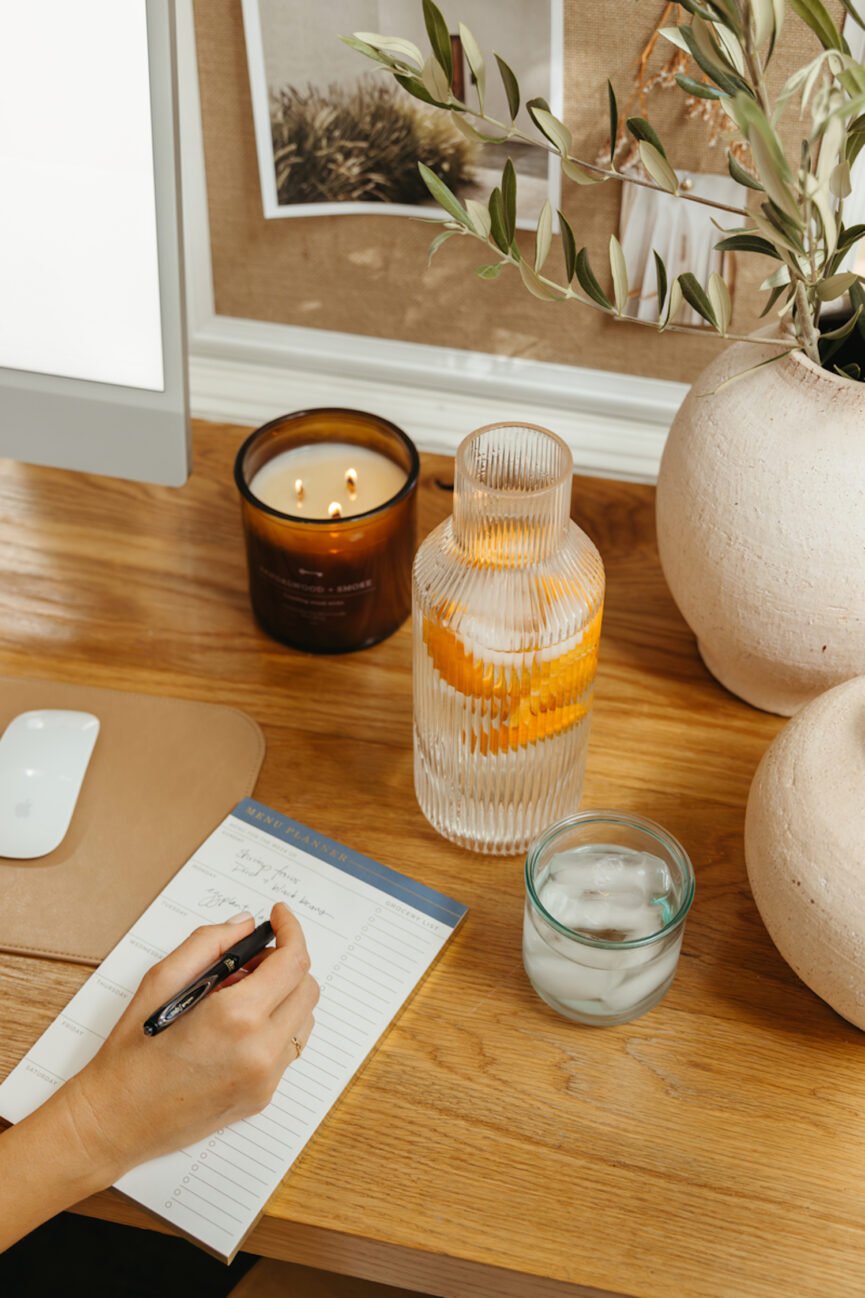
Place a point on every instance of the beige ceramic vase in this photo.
(805, 846)
(761, 525)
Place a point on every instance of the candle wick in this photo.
(334, 509)
(298, 488)
(351, 482)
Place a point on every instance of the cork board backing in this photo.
(367, 274)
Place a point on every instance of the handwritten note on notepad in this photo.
(372, 934)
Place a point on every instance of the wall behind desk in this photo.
(367, 274)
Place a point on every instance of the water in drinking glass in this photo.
(620, 899)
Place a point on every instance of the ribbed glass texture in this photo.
(507, 602)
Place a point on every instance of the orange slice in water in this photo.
(526, 704)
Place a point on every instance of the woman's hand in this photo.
(142, 1096)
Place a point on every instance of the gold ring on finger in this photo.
(298, 1045)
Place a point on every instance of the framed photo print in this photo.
(334, 136)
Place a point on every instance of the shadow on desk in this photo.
(78, 1255)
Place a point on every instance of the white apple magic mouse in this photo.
(43, 759)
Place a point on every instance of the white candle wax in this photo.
(615, 894)
(327, 480)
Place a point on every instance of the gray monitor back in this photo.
(92, 330)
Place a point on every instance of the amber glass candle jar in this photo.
(342, 581)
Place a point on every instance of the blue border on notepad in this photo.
(427, 900)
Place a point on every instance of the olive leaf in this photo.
(544, 235)
(589, 283)
(579, 174)
(839, 180)
(698, 10)
(773, 298)
(356, 42)
(472, 133)
(700, 89)
(439, 38)
(695, 295)
(848, 237)
(643, 130)
(773, 182)
(661, 282)
(816, 15)
(569, 246)
(443, 196)
(509, 194)
(406, 51)
(675, 37)
(490, 272)
(619, 271)
(826, 211)
(775, 234)
(498, 222)
(555, 131)
(479, 217)
(538, 287)
(747, 243)
(738, 172)
(675, 303)
(614, 121)
(763, 12)
(724, 80)
(475, 60)
(437, 242)
(658, 167)
(435, 81)
(778, 279)
(741, 374)
(722, 306)
(835, 286)
(511, 85)
(416, 89)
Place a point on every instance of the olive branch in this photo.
(796, 216)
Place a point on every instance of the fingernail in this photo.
(240, 918)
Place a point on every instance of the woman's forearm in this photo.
(48, 1162)
(140, 1097)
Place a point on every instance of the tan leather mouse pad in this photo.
(163, 774)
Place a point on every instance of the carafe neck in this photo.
(512, 495)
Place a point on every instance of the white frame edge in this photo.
(248, 371)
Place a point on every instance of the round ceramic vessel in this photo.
(805, 846)
(761, 525)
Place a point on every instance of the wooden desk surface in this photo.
(715, 1147)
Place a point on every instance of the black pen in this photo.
(227, 964)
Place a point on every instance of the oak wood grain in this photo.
(713, 1149)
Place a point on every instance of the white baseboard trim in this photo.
(247, 371)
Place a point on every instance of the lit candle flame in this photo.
(334, 509)
(298, 488)
(351, 481)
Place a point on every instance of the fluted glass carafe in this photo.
(508, 596)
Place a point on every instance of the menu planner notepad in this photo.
(372, 934)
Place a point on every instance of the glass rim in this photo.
(404, 491)
(554, 485)
(646, 826)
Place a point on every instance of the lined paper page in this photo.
(372, 933)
